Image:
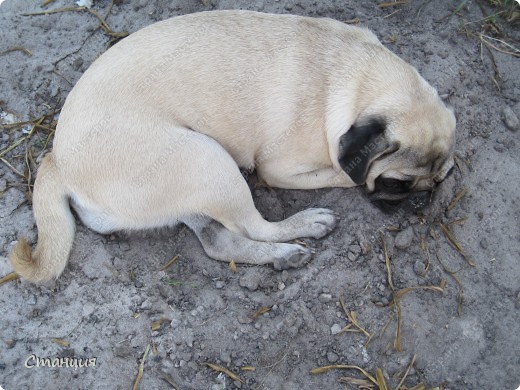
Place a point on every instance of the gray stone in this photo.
(510, 119)
(147, 304)
(335, 329)
(352, 256)
(123, 350)
(404, 238)
(356, 249)
(325, 298)
(225, 357)
(250, 280)
(419, 267)
(32, 300)
(332, 357)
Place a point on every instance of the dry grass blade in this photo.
(381, 380)
(453, 241)
(247, 368)
(61, 342)
(396, 303)
(424, 248)
(385, 326)
(14, 145)
(362, 383)
(47, 2)
(167, 378)
(12, 168)
(406, 373)
(169, 263)
(233, 266)
(392, 228)
(387, 264)
(486, 40)
(225, 371)
(324, 369)
(156, 325)
(458, 221)
(55, 11)
(460, 293)
(17, 48)
(9, 277)
(420, 386)
(456, 199)
(141, 369)
(259, 312)
(397, 339)
(369, 340)
(352, 317)
(393, 3)
(399, 294)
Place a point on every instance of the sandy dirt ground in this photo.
(115, 310)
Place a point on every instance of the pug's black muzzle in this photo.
(391, 195)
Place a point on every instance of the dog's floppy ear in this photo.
(359, 146)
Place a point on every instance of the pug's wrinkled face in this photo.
(401, 153)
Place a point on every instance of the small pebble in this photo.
(419, 267)
(335, 329)
(244, 319)
(325, 298)
(352, 256)
(250, 280)
(146, 305)
(225, 357)
(484, 243)
(220, 284)
(356, 249)
(404, 238)
(332, 357)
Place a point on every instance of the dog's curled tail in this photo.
(55, 225)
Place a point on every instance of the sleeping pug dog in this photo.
(156, 130)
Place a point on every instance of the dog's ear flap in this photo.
(359, 146)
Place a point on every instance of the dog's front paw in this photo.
(296, 257)
(319, 222)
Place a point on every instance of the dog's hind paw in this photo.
(296, 257)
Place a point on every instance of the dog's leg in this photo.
(320, 178)
(222, 244)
